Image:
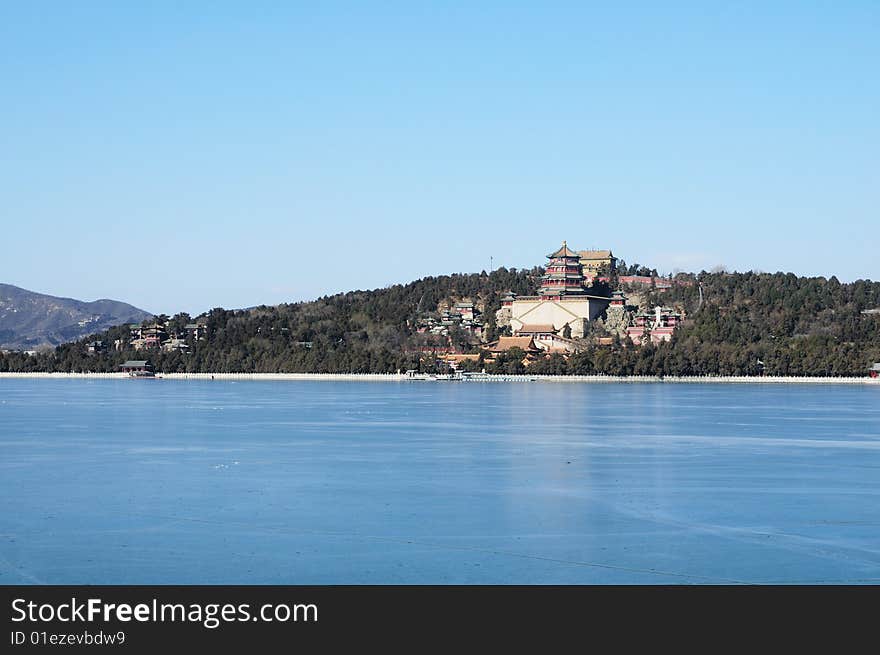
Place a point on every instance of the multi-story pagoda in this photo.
(562, 300)
(564, 275)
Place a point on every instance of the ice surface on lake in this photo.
(157, 481)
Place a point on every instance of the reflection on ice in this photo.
(298, 482)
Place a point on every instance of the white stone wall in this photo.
(574, 313)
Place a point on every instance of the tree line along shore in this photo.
(489, 378)
(736, 324)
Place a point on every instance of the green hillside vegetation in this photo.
(793, 325)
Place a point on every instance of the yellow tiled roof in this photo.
(533, 329)
(564, 251)
(506, 343)
(595, 254)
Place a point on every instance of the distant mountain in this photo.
(29, 320)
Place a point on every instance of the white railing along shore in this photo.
(395, 377)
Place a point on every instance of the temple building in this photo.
(563, 300)
(503, 345)
(564, 275)
(655, 326)
(545, 338)
(597, 262)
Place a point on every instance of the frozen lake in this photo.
(159, 481)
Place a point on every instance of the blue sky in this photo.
(231, 154)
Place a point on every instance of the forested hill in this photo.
(794, 325)
(358, 331)
(746, 324)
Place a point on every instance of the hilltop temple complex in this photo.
(573, 292)
(564, 300)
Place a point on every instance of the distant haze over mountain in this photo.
(29, 320)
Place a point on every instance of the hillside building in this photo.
(504, 345)
(96, 347)
(545, 338)
(564, 275)
(195, 330)
(463, 314)
(597, 262)
(655, 326)
(563, 300)
(148, 337)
